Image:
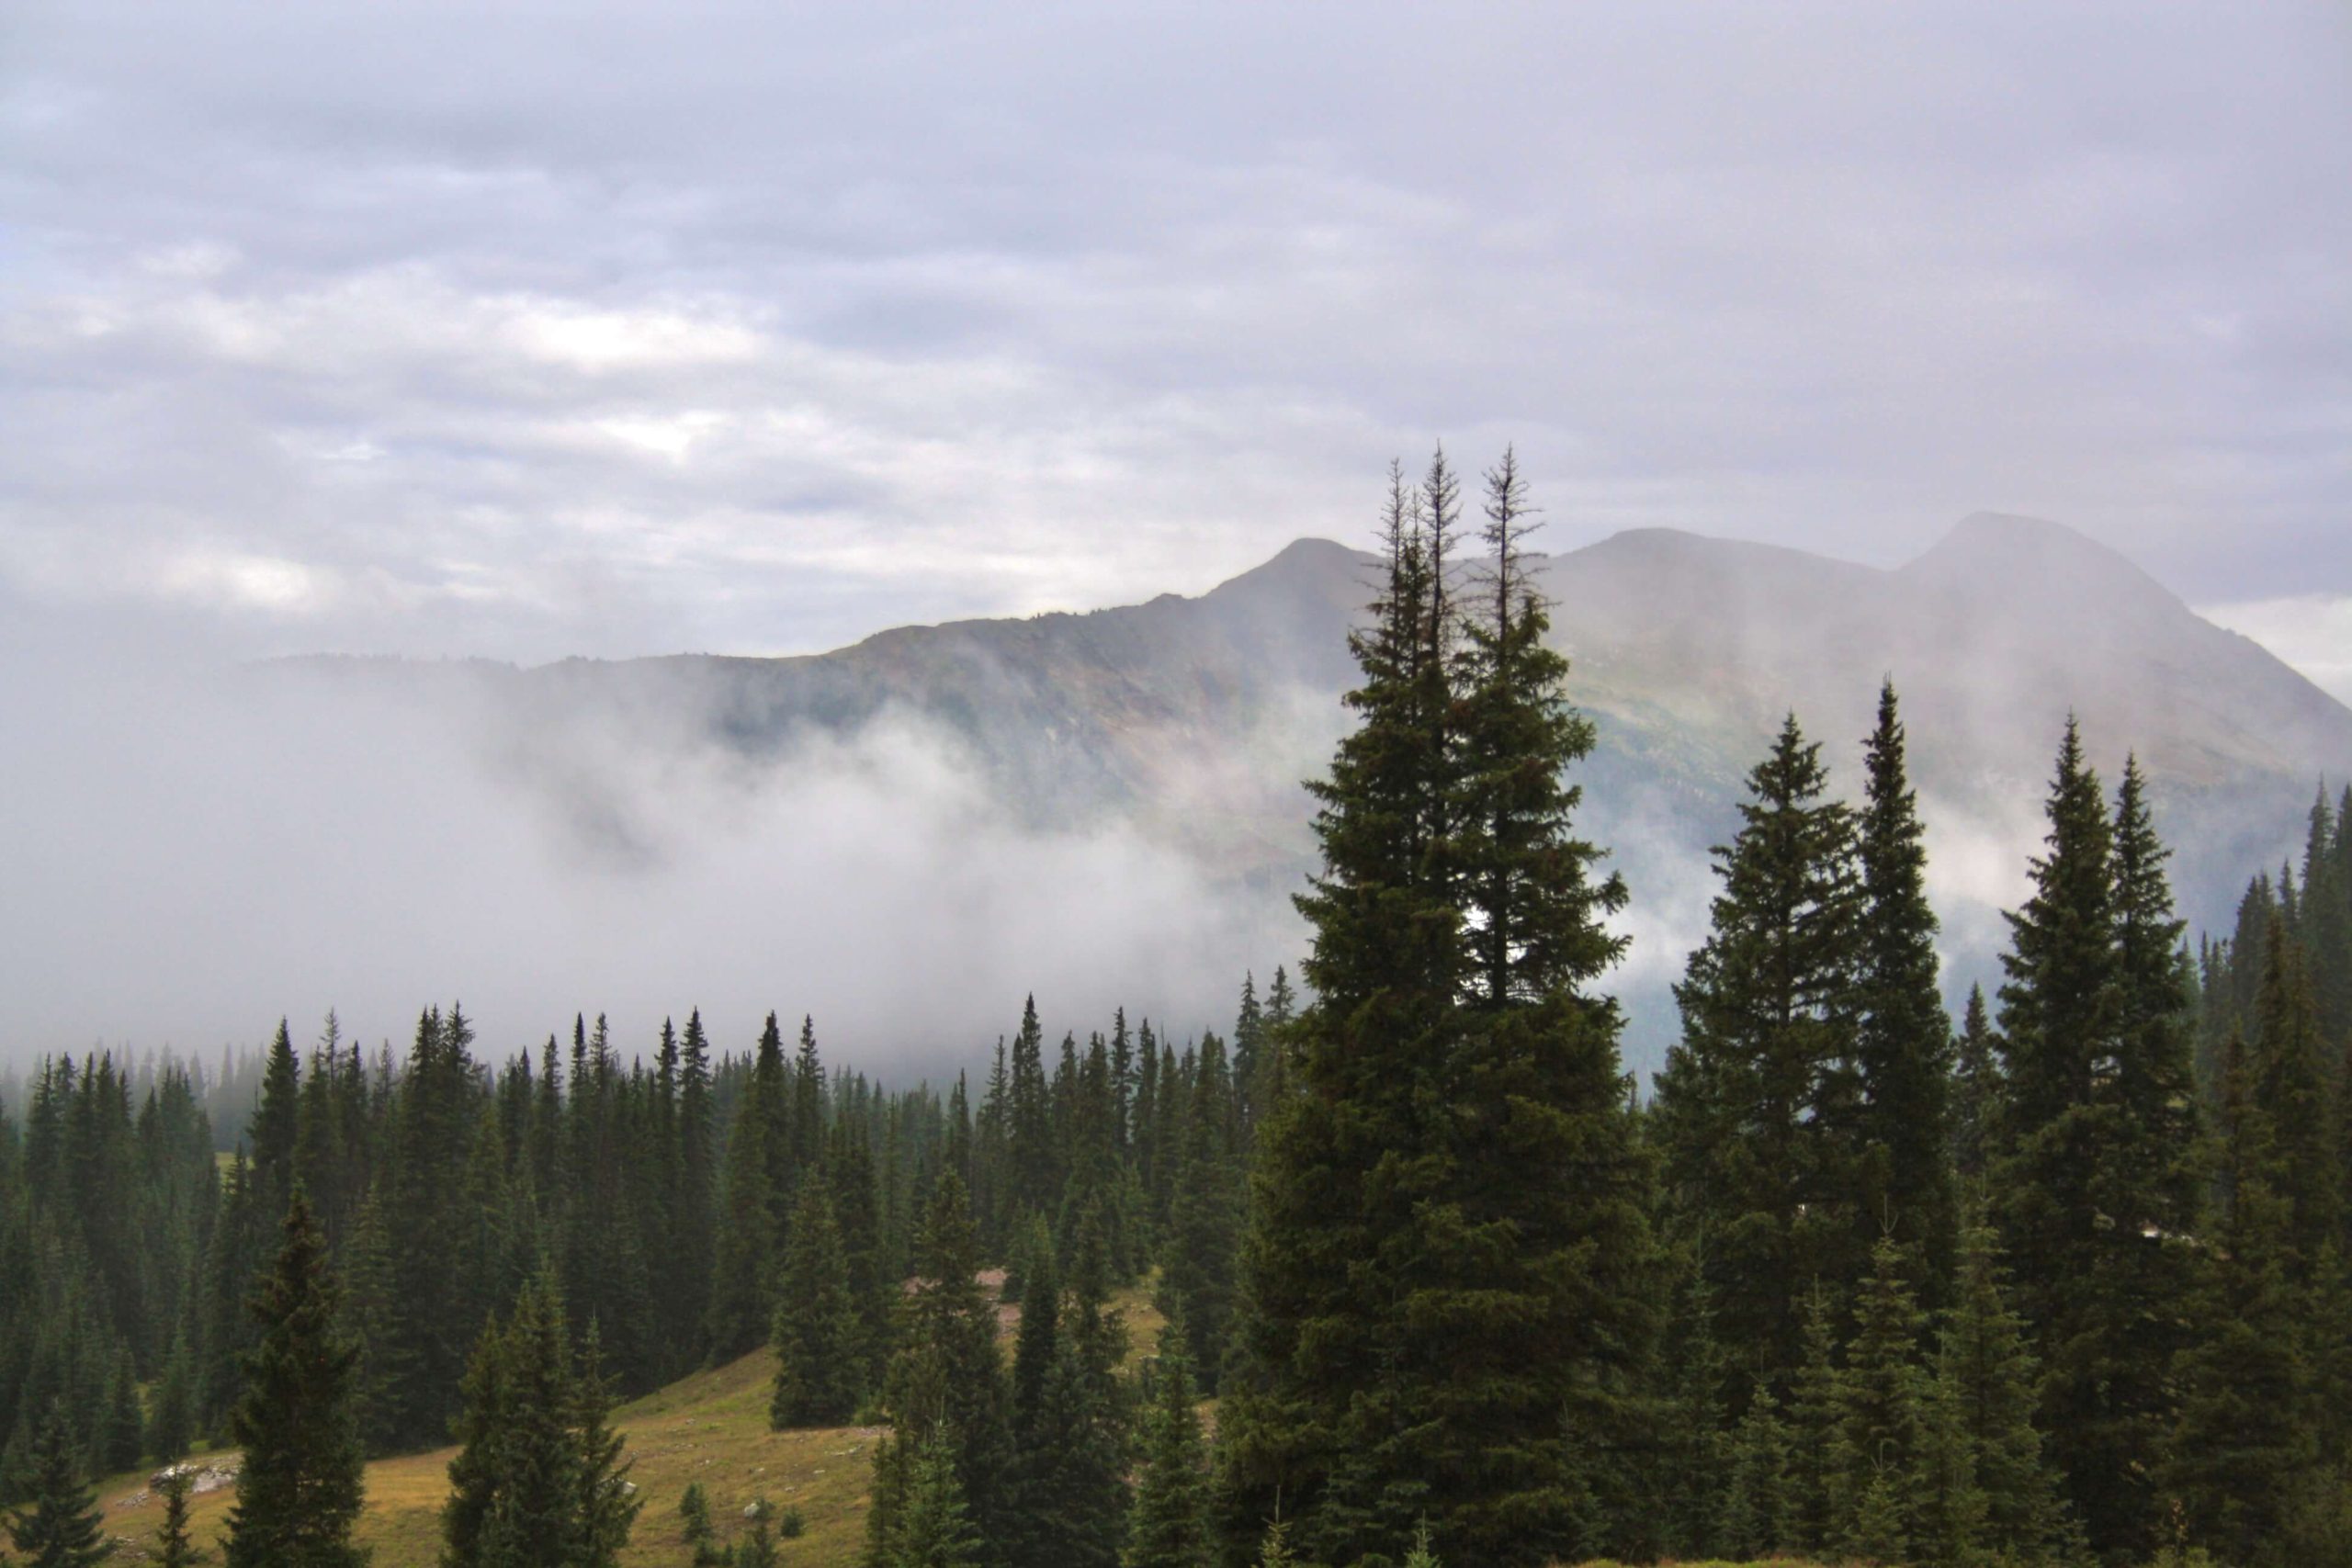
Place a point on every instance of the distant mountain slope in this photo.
(1195, 718)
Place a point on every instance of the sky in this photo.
(525, 331)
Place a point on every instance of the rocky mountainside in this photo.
(1195, 718)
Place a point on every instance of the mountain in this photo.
(1193, 720)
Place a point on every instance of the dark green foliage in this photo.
(741, 1311)
(122, 1435)
(936, 1530)
(1901, 1127)
(537, 1482)
(1976, 1090)
(819, 1373)
(1878, 1426)
(757, 1548)
(1169, 1527)
(946, 1387)
(298, 1491)
(1447, 1264)
(1759, 1514)
(693, 1513)
(173, 1547)
(61, 1525)
(2247, 1437)
(1987, 1380)
(1757, 1101)
(171, 1423)
(1205, 1215)
(2094, 1188)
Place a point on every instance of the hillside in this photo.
(710, 1427)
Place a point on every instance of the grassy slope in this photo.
(711, 1428)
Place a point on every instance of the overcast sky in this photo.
(615, 330)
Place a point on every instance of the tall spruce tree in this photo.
(1902, 1036)
(2094, 1185)
(61, 1525)
(1757, 1099)
(1990, 1379)
(819, 1371)
(1169, 1527)
(1450, 1217)
(299, 1488)
(174, 1547)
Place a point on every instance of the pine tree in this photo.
(1450, 1216)
(740, 1310)
(608, 1503)
(298, 1491)
(370, 1297)
(1757, 1101)
(1881, 1402)
(818, 1374)
(2090, 1188)
(2297, 1153)
(1205, 1216)
(1169, 1525)
(937, 1529)
(1814, 1420)
(1989, 1377)
(1976, 1090)
(1759, 1514)
(170, 1424)
(1902, 1037)
(2247, 1433)
(947, 1378)
(62, 1526)
(696, 1203)
(121, 1437)
(174, 1547)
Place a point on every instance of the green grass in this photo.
(711, 1428)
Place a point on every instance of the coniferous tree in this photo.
(120, 1439)
(937, 1530)
(1976, 1090)
(1454, 1184)
(947, 1381)
(1169, 1527)
(696, 1202)
(299, 1488)
(818, 1374)
(173, 1547)
(2246, 1434)
(61, 1525)
(1902, 1037)
(608, 1501)
(171, 1424)
(2092, 1189)
(1989, 1377)
(740, 1298)
(1757, 1099)
(1881, 1404)
(1205, 1216)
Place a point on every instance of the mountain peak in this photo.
(2034, 560)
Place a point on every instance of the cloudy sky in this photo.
(631, 329)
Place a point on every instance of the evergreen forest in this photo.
(1430, 1278)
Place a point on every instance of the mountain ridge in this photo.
(1195, 718)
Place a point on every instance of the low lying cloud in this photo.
(194, 850)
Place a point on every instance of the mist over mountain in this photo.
(904, 835)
